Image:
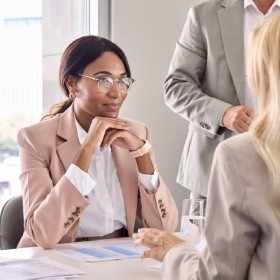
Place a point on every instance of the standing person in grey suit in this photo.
(242, 229)
(206, 82)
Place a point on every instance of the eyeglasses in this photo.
(105, 84)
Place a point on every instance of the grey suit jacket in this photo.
(241, 230)
(206, 76)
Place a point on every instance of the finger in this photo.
(106, 138)
(117, 121)
(246, 119)
(146, 254)
(145, 234)
(111, 136)
(242, 127)
(147, 241)
(108, 123)
(250, 112)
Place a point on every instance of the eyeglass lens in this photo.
(105, 84)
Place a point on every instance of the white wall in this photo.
(147, 31)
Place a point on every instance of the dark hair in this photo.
(80, 53)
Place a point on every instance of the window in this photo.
(20, 83)
(23, 99)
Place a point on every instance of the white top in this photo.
(106, 211)
(252, 19)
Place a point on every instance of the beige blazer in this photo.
(242, 231)
(52, 205)
(206, 76)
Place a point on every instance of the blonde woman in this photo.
(243, 215)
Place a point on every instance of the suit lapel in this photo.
(231, 18)
(127, 170)
(68, 138)
(67, 147)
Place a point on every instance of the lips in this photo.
(112, 106)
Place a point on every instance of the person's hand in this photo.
(100, 126)
(159, 242)
(238, 118)
(104, 131)
(122, 138)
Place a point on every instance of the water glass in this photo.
(193, 219)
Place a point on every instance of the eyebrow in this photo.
(108, 73)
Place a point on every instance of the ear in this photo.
(72, 83)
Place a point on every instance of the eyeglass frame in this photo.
(112, 83)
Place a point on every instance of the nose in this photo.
(115, 90)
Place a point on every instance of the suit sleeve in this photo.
(230, 232)
(50, 209)
(183, 86)
(158, 210)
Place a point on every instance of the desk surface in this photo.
(136, 269)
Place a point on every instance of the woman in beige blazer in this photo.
(86, 173)
(242, 228)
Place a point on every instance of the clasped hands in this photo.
(104, 131)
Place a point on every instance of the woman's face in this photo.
(89, 101)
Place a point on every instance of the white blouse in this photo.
(106, 211)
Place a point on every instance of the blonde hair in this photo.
(264, 78)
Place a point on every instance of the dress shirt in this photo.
(101, 184)
(252, 19)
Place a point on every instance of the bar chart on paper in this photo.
(92, 252)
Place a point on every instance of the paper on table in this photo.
(91, 252)
(36, 268)
(4, 259)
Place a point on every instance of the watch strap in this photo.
(143, 150)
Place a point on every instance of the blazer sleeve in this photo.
(230, 231)
(50, 210)
(184, 92)
(158, 210)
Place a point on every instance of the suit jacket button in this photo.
(207, 126)
(161, 206)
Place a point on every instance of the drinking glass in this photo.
(192, 220)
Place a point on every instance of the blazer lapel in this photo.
(68, 138)
(231, 19)
(127, 171)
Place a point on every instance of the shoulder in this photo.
(209, 9)
(39, 130)
(239, 148)
(208, 6)
(241, 143)
(206, 15)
